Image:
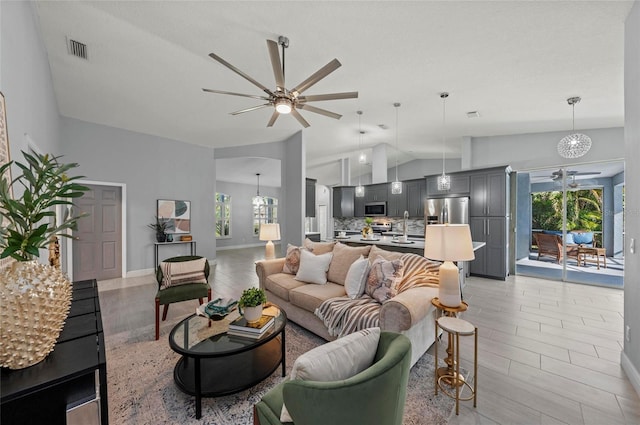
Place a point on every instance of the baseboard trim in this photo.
(139, 273)
(631, 371)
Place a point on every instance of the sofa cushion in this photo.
(309, 297)
(292, 259)
(281, 283)
(182, 272)
(343, 257)
(356, 278)
(313, 268)
(379, 252)
(318, 248)
(583, 237)
(384, 278)
(336, 360)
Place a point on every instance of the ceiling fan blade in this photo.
(587, 173)
(240, 73)
(319, 111)
(236, 94)
(242, 111)
(274, 54)
(300, 119)
(273, 119)
(330, 96)
(317, 76)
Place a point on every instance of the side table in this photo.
(449, 370)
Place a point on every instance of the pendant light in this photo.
(260, 199)
(444, 181)
(360, 187)
(575, 144)
(396, 186)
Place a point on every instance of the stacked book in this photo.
(240, 327)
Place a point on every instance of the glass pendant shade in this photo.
(362, 159)
(444, 182)
(396, 188)
(574, 145)
(359, 191)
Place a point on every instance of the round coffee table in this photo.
(214, 363)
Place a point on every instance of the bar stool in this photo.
(457, 327)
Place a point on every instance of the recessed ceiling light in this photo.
(473, 114)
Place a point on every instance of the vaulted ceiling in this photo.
(515, 62)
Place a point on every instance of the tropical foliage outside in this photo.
(584, 211)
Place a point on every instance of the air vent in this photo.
(473, 114)
(77, 49)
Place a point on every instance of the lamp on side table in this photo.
(269, 232)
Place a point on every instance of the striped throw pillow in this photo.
(182, 273)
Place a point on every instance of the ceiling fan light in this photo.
(396, 188)
(574, 145)
(283, 105)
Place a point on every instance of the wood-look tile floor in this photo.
(549, 352)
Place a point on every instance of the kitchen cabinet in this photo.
(459, 186)
(376, 192)
(488, 193)
(491, 260)
(359, 206)
(416, 192)
(396, 203)
(310, 198)
(343, 201)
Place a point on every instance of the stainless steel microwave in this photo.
(375, 209)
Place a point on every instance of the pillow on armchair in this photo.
(583, 238)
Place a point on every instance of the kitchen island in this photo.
(413, 245)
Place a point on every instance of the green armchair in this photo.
(180, 292)
(372, 397)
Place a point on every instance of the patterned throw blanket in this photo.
(343, 316)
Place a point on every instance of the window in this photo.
(223, 216)
(265, 210)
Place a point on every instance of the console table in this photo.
(156, 245)
(70, 385)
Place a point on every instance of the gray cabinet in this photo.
(488, 193)
(459, 186)
(375, 192)
(396, 204)
(491, 259)
(359, 206)
(416, 191)
(343, 201)
(310, 198)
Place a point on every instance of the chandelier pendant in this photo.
(574, 145)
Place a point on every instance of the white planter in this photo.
(252, 314)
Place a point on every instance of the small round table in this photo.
(448, 312)
(214, 363)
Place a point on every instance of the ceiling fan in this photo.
(557, 175)
(282, 100)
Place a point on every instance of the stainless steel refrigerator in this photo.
(446, 210)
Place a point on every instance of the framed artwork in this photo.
(177, 214)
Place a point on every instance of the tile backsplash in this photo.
(414, 226)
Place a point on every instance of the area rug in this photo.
(142, 391)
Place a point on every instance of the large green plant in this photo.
(31, 218)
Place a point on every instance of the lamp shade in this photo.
(270, 232)
(448, 242)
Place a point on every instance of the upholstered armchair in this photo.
(180, 279)
(374, 396)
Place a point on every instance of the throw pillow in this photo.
(182, 272)
(384, 279)
(336, 360)
(292, 259)
(313, 268)
(356, 278)
(318, 247)
(583, 237)
(343, 257)
(379, 252)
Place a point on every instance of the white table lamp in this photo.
(269, 232)
(448, 242)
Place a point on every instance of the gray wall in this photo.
(631, 354)
(292, 154)
(152, 168)
(242, 212)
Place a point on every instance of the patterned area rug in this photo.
(142, 391)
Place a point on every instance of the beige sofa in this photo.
(410, 312)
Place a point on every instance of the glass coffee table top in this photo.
(195, 338)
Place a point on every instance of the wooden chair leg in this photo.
(200, 301)
(157, 318)
(165, 309)
(256, 419)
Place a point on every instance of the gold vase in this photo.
(35, 300)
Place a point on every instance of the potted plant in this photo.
(160, 227)
(251, 302)
(367, 230)
(35, 297)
